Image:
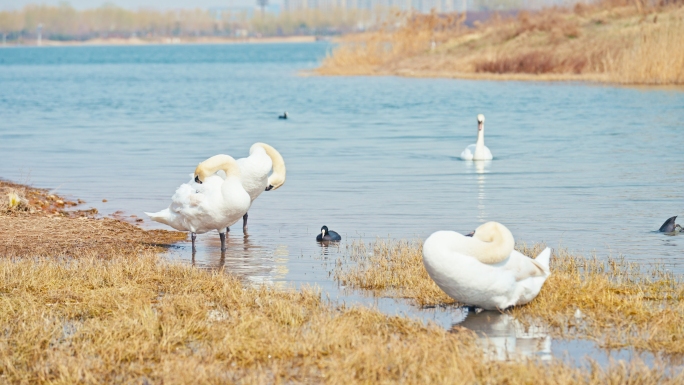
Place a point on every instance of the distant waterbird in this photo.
(328, 235)
(208, 202)
(478, 151)
(670, 226)
(283, 116)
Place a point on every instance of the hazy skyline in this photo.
(135, 4)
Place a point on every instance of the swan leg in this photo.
(244, 222)
(223, 241)
(193, 236)
(227, 229)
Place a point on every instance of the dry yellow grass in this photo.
(35, 223)
(607, 42)
(148, 321)
(40, 236)
(621, 304)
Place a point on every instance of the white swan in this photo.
(484, 270)
(254, 172)
(478, 151)
(208, 202)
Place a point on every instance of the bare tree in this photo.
(262, 4)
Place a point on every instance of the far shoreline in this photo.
(166, 41)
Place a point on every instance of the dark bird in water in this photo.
(328, 235)
(670, 227)
(283, 116)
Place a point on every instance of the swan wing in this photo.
(523, 267)
(468, 153)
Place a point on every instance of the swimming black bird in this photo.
(670, 227)
(328, 235)
(283, 116)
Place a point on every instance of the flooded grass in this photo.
(145, 320)
(613, 302)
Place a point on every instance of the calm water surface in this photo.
(589, 167)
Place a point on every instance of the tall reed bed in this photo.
(612, 40)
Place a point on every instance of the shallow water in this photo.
(593, 168)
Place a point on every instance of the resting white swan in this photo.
(208, 202)
(478, 151)
(254, 172)
(484, 270)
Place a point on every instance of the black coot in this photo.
(328, 235)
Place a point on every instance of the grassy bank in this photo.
(109, 313)
(144, 320)
(612, 41)
(620, 304)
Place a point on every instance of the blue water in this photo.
(593, 168)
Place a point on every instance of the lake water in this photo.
(593, 168)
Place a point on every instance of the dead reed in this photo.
(612, 41)
(612, 302)
(147, 321)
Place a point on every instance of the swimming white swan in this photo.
(478, 151)
(484, 270)
(254, 172)
(208, 202)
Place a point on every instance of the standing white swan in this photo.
(484, 270)
(478, 151)
(254, 172)
(208, 202)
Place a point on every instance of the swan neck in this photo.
(221, 162)
(277, 177)
(495, 250)
(480, 137)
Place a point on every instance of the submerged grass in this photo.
(148, 321)
(612, 40)
(619, 303)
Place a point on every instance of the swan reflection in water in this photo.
(252, 262)
(481, 168)
(505, 338)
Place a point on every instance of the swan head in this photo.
(217, 162)
(201, 173)
(480, 122)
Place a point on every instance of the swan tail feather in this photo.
(543, 260)
(165, 216)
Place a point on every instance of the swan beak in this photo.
(470, 234)
(269, 188)
(197, 180)
(480, 126)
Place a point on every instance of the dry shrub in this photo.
(620, 303)
(536, 62)
(147, 321)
